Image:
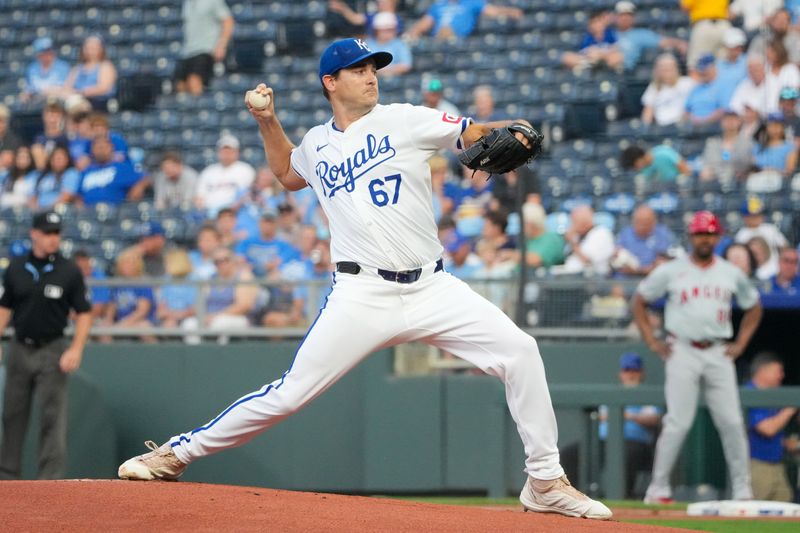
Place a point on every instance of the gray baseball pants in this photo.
(34, 371)
(685, 369)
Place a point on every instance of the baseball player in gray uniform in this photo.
(697, 319)
(368, 167)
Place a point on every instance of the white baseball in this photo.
(258, 100)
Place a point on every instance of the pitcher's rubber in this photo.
(100, 505)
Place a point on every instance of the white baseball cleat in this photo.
(559, 496)
(159, 463)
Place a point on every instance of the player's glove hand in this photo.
(500, 150)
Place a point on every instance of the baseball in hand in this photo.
(258, 100)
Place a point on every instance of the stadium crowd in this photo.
(741, 82)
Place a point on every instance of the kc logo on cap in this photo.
(346, 53)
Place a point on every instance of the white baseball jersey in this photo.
(220, 186)
(699, 298)
(373, 182)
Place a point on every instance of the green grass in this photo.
(725, 526)
(715, 526)
(457, 500)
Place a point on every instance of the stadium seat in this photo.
(619, 203)
(557, 222)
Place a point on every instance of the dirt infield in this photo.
(78, 505)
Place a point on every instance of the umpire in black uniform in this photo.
(38, 292)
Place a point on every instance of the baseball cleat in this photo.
(559, 496)
(159, 463)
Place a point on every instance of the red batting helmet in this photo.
(705, 222)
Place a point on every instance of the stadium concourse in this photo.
(589, 113)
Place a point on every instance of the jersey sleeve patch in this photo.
(431, 129)
(451, 119)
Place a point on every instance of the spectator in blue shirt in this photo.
(598, 46)
(98, 126)
(53, 134)
(108, 181)
(449, 19)
(176, 300)
(787, 280)
(660, 163)
(47, 74)
(100, 296)
(58, 183)
(646, 240)
(461, 261)
(94, 77)
(266, 253)
(705, 104)
(386, 40)
(131, 306)
(765, 427)
(202, 260)
(732, 66)
(633, 41)
(774, 151)
(641, 422)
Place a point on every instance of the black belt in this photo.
(405, 276)
(37, 343)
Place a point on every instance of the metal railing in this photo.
(551, 307)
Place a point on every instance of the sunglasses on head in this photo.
(220, 260)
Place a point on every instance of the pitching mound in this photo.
(85, 505)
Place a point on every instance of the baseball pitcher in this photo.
(368, 167)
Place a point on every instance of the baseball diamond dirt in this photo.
(100, 505)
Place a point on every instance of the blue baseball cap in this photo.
(346, 53)
(630, 361)
(752, 205)
(776, 116)
(704, 62)
(42, 44)
(455, 243)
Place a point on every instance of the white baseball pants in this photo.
(365, 313)
(686, 367)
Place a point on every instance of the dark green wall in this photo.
(371, 432)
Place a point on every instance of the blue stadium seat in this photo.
(664, 202)
(570, 203)
(604, 219)
(557, 222)
(619, 203)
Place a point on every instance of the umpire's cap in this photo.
(346, 53)
(705, 222)
(47, 221)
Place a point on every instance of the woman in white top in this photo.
(780, 72)
(665, 97)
